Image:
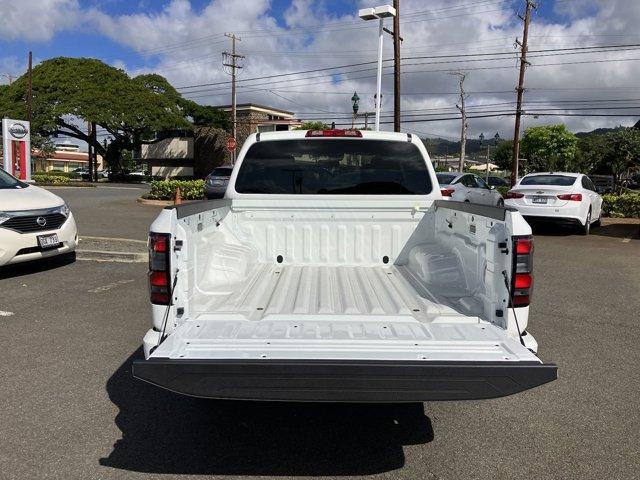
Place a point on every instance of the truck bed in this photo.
(329, 312)
(383, 302)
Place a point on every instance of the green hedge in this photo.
(165, 189)
(625, 205)
(58, 173)
(50, 179)
(503, 190)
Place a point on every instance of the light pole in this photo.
(380, 13)
(496, 138)
(355, 99)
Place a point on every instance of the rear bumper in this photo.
(568, 221)
(570, 214)
(343, 381)
(217, 191)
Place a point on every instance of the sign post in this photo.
(231, 148)
(16, 147)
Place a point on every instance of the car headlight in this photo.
(4, 217)
(64, 210)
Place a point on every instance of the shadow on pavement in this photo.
(36, 266)
(552, 229)
(164, 432)
(614, 230)
(618, 230)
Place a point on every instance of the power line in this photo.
(478, 54)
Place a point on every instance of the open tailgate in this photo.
(342, 361)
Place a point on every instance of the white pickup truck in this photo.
(333, 271)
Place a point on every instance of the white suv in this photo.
(569, 198)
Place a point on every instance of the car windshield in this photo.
(445, 178)
(559, 180)
(8, 181)
(222, 172)
(334, 166)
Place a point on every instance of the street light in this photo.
(381, 12)
(355, 99)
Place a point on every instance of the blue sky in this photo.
(85, 41)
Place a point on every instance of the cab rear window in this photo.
(333, 167)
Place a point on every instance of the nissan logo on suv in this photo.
(41, 221)
(18, 130)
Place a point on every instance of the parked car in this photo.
(497, 182)
(333, 271)
(568, 198)
(216, 182)
(34, 223)
(466, 187)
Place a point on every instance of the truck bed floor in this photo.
(276, 290)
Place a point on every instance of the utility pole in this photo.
(9, 77)
(90, 149)
(30, 88)
(94, 158)
(520, 89)
(462, 107)
(231, 60)
(396, 67)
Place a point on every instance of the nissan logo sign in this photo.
(18, 130)
(41, 221)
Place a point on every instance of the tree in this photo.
(549, 148)
(502, 155)
(313, 126)
(591, 153)
(72, 91)
(622, 152)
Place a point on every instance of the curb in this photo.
(114, 239)
(105, 256)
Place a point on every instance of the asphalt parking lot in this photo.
(69, 408)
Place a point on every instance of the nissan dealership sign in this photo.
(18, 130)
(16, 147)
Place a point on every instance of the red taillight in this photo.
(575, 197)
(447, 192)
(158, 243)
(523, 280)
(159, 272)
(524, 246)
(158, 279)
(522, 277)
(512, 194)
(333, 133)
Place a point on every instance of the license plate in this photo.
(48, 241)
(539, 199)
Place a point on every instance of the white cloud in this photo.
(36, 20)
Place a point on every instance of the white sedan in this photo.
(568, 198)
(34, 223)
(466, 187)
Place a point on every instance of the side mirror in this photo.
(492, 187)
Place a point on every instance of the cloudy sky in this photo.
(584, 57)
